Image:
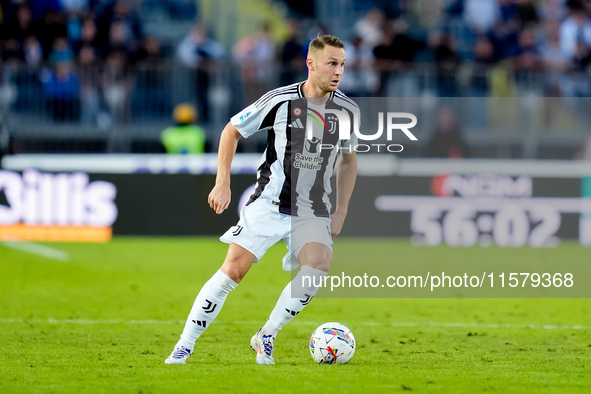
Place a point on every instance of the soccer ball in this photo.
(332, 343)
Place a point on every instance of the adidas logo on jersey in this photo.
(297, 124)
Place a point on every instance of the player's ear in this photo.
(310, 63)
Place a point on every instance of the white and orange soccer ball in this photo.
(332, 343)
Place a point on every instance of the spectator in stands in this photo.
(61, 88)
(88, 38)
(116, 85)
(15, 33)
(200, 53)
(480, 15)
(65, 105)
(527, 13)
(481, 67)
(255, 54)
(22, 27)
(149, 50)
(89, 71)
(447, 65)
(482, 64)
(292, 55)
(359, 80)
(506, 28)
(185, 137)
(61, 51)
(552, 10)
(526, 63)
(52, 26)
(447, 141)
(149, 71)
(392, 57)
(422, 17)
(582, 58)
(370, 28)
(32, 52)
(11, 51)
(128, 30)
(554, 62)
(119, 40)
(575, 41)
(575, 30)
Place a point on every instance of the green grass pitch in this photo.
(105, 320)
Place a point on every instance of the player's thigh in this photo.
(311, 242)
(238, 262)
(316, 255)
(260, 227)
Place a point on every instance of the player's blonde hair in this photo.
(322, 41)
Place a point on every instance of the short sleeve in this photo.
(249, 120)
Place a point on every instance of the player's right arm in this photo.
(244, 124)
(220, 196)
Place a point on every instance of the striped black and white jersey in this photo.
(302, 147)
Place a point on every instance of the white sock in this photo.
(206, 307)
(302, 292)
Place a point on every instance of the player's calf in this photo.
(294, 298)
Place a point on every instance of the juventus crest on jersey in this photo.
(296, 167)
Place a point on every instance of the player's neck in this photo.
(314, 94)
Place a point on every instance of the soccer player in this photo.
(291, 200)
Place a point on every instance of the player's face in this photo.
(329, 65)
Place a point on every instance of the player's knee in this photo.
(236, 267)
(237, 263)
(233, 270)
(316, 256)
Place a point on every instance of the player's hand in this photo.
(336, 223)
(219, 198)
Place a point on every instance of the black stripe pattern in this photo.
(270, 153)
(318, 189)
(292, 89)
(295, 144)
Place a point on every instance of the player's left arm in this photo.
(346, 177)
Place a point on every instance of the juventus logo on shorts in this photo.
(210, 307)
(237, 231)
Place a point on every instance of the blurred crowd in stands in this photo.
(86, 53)
(82, 50)
(482, 47)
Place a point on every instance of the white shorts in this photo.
(261, 226)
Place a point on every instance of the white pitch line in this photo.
(304, 323)
(38, 249)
